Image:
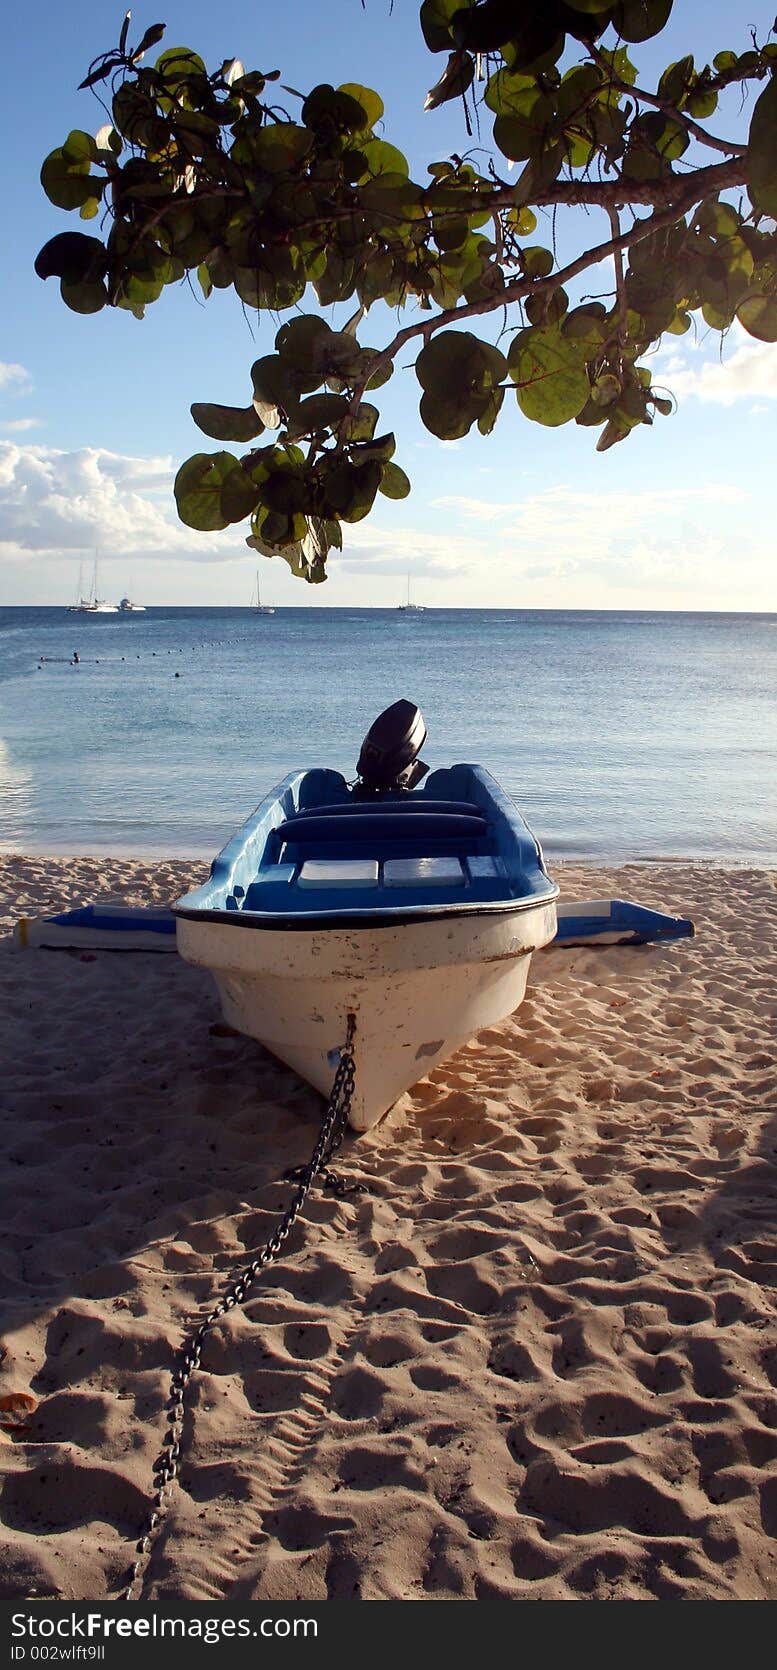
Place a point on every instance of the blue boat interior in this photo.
(313, 849)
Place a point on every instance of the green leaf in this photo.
(301, 342)
(436, 16)
(380, 376)
(382, 447)
(281, 147)
(508, 94)
(758, 314)
(152, 35)
(383, 158)
(320, 411)
(371, 103)
(457, 364)
(211, 490)
(611, 434)
(538, 262)
(361, 425)
(276, 389)
(394, 484)
(762, 151)
(349, 487)
(520, 136)
(548, 308)
(66, 184)
(448, 419)
(490, 412)
(84, 298)
(675, 81)
(73, 256)
(523, 221)
(549, 370)
(79, 147)
(227, 423)
(638, 20)
(178, 64)
(331, 113)
(458, 75)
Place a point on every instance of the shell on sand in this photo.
(536, 1361)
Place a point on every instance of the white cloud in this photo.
(749, 372)
(569, 511)
(17, 426)
(11, 375)
(629, 540)
(56, 503)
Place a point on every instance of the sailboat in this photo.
(93, 605)
(260, 608)
(409, 608)
(81, 602)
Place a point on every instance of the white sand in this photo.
(538, 1361)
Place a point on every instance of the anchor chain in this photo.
(168, 1463)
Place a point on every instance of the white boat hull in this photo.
(417, 990)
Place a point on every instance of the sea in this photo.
(620, 735)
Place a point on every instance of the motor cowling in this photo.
(388, 762)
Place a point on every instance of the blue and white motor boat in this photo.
(416, 910)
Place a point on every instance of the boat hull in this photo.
(417, 990)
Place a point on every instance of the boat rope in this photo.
(168, 1463)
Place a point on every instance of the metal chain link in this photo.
(168, 1463)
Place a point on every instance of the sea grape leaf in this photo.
(72, 255)
(394, 484)
(211, 490)
(82, 297)
(758, 314)
(281, 146)
(436, 17)
(458, 75)
(548, 368)
(66, 183)
(370, 101)
(762, 151)
(638, 20)
(227, 423)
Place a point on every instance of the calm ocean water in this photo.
(619, 735)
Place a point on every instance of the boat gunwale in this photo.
(383, 916)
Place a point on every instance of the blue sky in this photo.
(94, 412)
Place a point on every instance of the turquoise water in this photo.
(619, 735)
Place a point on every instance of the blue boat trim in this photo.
(634, 924)
(123, 919)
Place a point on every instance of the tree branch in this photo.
(668, 109)
(523, 287)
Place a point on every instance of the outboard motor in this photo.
(388, 762)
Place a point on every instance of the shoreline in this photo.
(765, 862)
(534, 1360)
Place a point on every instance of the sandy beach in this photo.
(535, 1360)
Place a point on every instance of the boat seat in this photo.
(377, 825)
(485, 868)
(422, 872)
(409, 804)
(338, 872)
